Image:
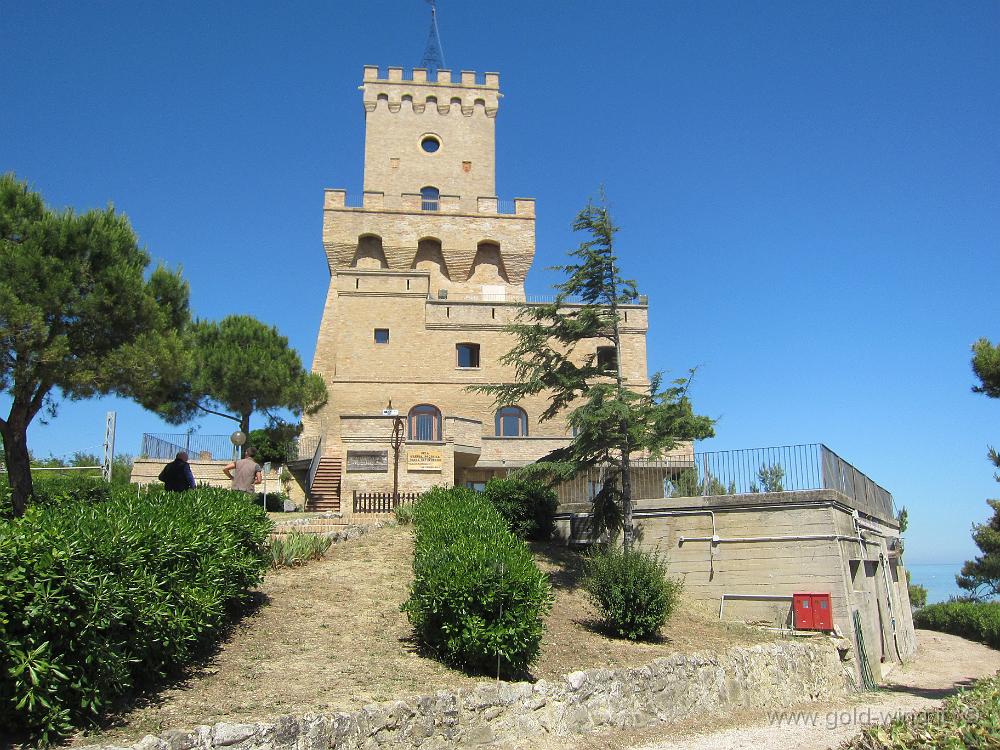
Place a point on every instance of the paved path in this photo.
(943, 662)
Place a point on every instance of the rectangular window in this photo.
(468, 355)
(607, 358)
(477, 486)
(510, 425)
(381, 335)
(424, 427)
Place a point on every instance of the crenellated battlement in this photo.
(421, 92)
(443, 78)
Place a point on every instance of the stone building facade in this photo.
(426, 268)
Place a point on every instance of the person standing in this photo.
(245, 473)
(176, 476)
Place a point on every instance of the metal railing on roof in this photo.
(211, 447)
(786, 468)
(198, 447)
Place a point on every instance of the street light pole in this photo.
(395, 442)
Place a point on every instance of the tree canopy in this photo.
(78, 316)
(981, 576)
(239, 366)
(554, 353)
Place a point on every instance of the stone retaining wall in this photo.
(767, 676)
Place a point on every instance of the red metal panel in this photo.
(812, 611)
(802, 606)
(822, 612)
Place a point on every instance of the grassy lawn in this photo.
(329, 636)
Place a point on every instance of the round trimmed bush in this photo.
(632, 591)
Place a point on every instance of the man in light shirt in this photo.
(245, 473)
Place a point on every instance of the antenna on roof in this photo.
(433, 56)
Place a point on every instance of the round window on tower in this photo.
(430, 143)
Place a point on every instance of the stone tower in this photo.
(427, 266)
(429, 198)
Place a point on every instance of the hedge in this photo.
(478, 599)
(99, 599)
(528, 506)
(977, 621)
(56, 488)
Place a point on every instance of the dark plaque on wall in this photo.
(368, 461)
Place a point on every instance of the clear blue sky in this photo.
(808, 191)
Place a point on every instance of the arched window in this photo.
(430, 198)
(512, 421)
(607, 358)
(425, 422)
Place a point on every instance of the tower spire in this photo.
(433, 56)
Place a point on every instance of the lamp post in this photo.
(395, 442)
(238, 438)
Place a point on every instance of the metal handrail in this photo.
(314, 464)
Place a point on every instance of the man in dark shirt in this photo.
(176, 476)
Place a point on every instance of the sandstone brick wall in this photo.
(460, 236)
(418, 364)
(398, 113)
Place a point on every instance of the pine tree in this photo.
(611, 421)
(986, 366)
(79, 316)
(239, 366)
(981, 576)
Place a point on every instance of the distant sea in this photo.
(937, 578)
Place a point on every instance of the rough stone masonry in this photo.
(767, 676)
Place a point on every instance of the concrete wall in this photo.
(772, 676)
(772, 545)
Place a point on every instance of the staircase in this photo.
(324, 494)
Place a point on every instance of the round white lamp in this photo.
(238, 438)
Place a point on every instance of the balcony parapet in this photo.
(337, 199)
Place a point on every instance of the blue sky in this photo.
(808, 192)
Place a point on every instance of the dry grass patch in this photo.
(330, 636)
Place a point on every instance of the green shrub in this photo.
(967, 721)
(632, 591)
(917, 593)
(57, 487)
(297, 549)
(275, 501)
(977, 621)
(478, 599)
(275, 444)
(100, 599)
(404, 514)
(528, 506)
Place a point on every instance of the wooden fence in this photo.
(381, 502)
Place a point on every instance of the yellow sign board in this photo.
(423, 459)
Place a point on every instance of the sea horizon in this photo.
(938, 579)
